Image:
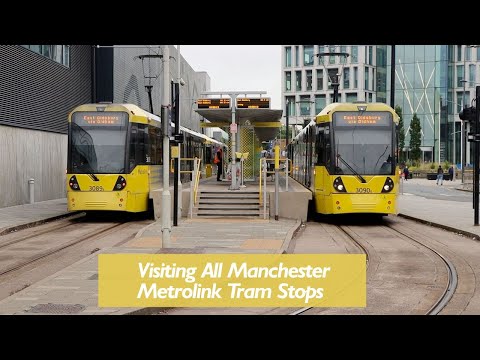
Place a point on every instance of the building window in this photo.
(308, 55)
(354, 54)
(450, 102)
(288, 81)
(309, 80)
(366, 79)
(57, 53)
(288, 56)
(370, 55)
(351, 97)
(320, 103)
(320, 79)
(332, 57)
(297, 56)
(305, 105)
(451, 54)
(460, 75)
(370, 98)
(467, 98)
(478, 53)
(471, 75)
(381, 56)
(298, 79)
(290, 101)
(450, 76)
(459, 101)
(373, 79)
(346, 78)
(355, 77)
(459, 52)
(468, 53)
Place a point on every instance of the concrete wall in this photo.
(291, 204)
(26, 154)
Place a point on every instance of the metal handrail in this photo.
(286, 171)
(197, 163)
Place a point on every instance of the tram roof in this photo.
(134, 109)
(355, 106)
(257, 118)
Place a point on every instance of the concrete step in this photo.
(229, 192)
(227, 212)
(228, 196)
(228, 207)
(224, 201)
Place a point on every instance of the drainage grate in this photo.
(59, 309)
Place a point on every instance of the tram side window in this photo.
(138, 146)
(322, 145)
(208, 155)
(155, 145)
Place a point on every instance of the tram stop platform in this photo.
(222, 202)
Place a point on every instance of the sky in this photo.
(239, 67)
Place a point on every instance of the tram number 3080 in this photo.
(364, 190)
(96, 188)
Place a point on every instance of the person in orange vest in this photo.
(218, 161)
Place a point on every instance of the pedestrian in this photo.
(451, 172)
(218, 160)
(406, 172)
(440, 175)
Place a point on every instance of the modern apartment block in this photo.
(432, 81)
(306, 76)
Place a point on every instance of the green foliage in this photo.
(401, 134)
(446, 165)
(433, 166)
(415, 138)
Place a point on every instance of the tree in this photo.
(415, 138)
(401, 134)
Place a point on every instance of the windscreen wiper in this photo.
(94, 178)
(351, 169)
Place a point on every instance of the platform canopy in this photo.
(266, 122)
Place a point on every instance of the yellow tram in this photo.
(115, 155)
(347, 158)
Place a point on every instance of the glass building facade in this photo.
(429, 81)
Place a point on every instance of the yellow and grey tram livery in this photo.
(347, 158)
(115, 157)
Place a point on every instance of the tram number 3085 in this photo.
(364, 190)
(96, 188)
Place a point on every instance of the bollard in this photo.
(31, 189)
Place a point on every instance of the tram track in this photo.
(451, 270)
(362, 250)
(92, 235)
(54, 227)
(452, 276)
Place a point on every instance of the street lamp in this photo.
(334, 78)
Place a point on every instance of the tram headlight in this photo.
(388, 185)
(73, 183)
(338, 185)
(120, 184)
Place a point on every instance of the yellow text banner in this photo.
(232, 280)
